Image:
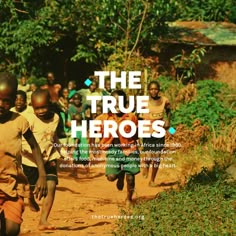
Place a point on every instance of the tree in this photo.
(34, 33)
(208, 10)
(94, 30)
(120, 27)
(31, 31)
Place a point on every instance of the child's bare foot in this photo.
(120, 181)
(128, 203)
(33, 205)
(46, 226)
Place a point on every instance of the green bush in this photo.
(208, 106)
(206, 206)
(37, 81)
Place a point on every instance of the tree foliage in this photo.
(31, 31)
(34, 33)
(208, 10)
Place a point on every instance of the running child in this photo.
(157, 106)
(122, 155)
(13, 183)
(43, 124)
(26, 111)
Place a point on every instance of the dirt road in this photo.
(89, 205)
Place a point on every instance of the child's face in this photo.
(65, 92)
(23, 81)
(76, 100)
(87, 112)
(33, 87)
(99, 110)
(20, 103)
(108, 85)
(40, 105)
(93, 87)
(6, 99)
(50, 78)
(153, 90)
(71, 85)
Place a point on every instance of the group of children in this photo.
(28, 156)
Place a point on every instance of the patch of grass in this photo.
(205, 206)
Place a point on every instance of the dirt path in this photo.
(85, 206)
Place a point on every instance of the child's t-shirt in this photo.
(128, 145)
(44, 133)
(156, 112)
(28, 110)
(73, 110)
(12, 180)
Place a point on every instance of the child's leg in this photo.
(32, 176)
(33, 205)
(146, 165)
(120, 181)
(147, 159)
(155, 167)
(114, 167)
(2, 222)
(47, 206)
(11, 228)
(130, 179)
(111, 177)
(11, 215)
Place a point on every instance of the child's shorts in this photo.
(33, 175)
(13, 207)
(116, 162)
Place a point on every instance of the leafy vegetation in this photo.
(187, 64)
(209, 10)
(34, 33)
(205, 206)
(208, 106)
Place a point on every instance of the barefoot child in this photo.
(43, 124)
(157, 105)
(13, 183)
(26, 111)
(122, 156)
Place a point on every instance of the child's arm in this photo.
(59, 147)
(168, 114)
(41, 185)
